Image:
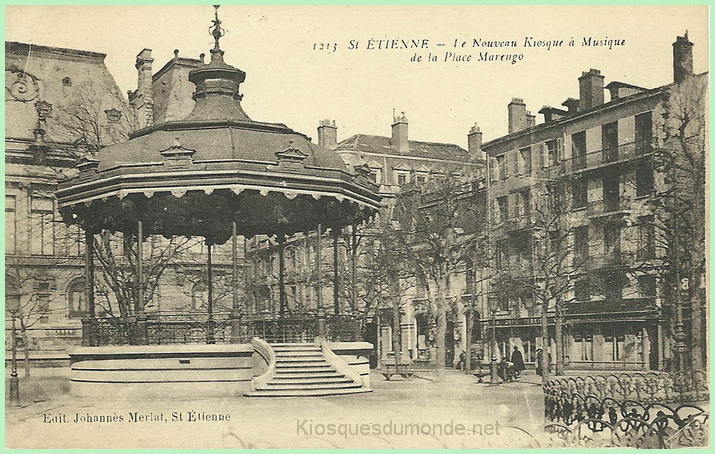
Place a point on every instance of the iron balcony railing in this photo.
(597, 159)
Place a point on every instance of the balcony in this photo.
(610, 207)
(613, 307)
(601, 158)
(613, 259)
(518, 222)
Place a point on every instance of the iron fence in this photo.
(644, 410)
(192, 328)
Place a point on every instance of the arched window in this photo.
(199, 296)
(76, 298)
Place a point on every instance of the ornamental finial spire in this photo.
(217, 32)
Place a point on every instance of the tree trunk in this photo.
(441, 358)
(468, 342)
(396, 332)
(559, 337)
(25, 348)
(544, 342)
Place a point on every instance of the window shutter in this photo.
(560, 149)
(543, 158)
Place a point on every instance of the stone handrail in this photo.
(337, 362)
(269, 356)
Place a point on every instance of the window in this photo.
(582, 290)
(646, 286)
(578, 150)
(502, 208)
(580, 246)
(67, 82)
(76, 298)
(401, 179)
(421, 178)
(609, 138)
(614, 347)
(199, 295)
(644, 132)
(42, 227)
(525, 161)
(612, 238)
(501, 167)
(552, 153)
(525, 205)
(646, 238)
(644, 180)
(611, 192)
(10, 225)
(42, 289)
(113, 115)
(579, 190)
(583, 347)
(502, 253)
(613, 286)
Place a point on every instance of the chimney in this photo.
(517, 115)
(682, 58)
(328, 134)
(399, 133)
(474, 140)
(590, 86)
(571, 104)
(144, 101)
(530, 119)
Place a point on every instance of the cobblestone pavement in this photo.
(417, 413)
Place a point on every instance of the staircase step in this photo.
(309, 380)
(345, 385)
(281, 355)
(299, 359)
(310, 375)
(303, 365)
(293, 345)
(305, 392)
(305, 370)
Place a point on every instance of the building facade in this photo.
(573, 225)
(59, 105)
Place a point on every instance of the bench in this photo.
(390, 368)
(480, 371)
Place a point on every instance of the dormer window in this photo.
(67, 82)
(113, 115)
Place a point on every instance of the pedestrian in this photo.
(539, 353)
(518, 359)
(461, 365)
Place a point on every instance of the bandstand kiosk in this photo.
(218, 175)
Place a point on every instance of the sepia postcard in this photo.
(356, 227)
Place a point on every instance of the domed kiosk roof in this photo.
(197, 175)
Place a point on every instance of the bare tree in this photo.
(435, 220)
(678, 205)
(118, 262)
(26, 303)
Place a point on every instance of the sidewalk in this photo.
(326, 422)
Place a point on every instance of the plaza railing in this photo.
(642, 410)
(196, 328)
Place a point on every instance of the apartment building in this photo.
(572, 224)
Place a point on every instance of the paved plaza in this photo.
(415, 413)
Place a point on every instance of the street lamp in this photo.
(14, 307)
(493, 372)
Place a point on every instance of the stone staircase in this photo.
(302, 370)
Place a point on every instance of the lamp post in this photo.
(14, 391)
(493, 372)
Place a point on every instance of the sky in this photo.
(354, 64)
